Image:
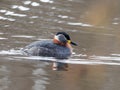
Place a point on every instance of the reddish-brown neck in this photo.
(63, 44)
(59, 43)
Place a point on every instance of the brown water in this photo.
(93, 24)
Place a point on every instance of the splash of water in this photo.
(91, 60)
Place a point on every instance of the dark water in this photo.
(93, 24)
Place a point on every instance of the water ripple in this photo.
(27, 2)
(80, 24)
(2, 11)
(91, 60)
(34, 17)
(11, 13)
(10, 52)
(64, 17)
(6, 18)
(35, 4)
(46, 1)
(22, 8)
(1, 38)
(1, 33)
(22, 36)
(107, 58)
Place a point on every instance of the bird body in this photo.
(48, 48)
(60, 47)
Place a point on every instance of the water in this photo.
(93, 24)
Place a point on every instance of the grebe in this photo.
(60, 47)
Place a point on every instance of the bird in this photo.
(60, 47)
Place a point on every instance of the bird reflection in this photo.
(58, 66)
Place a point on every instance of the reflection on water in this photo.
(39, 78)
(93, 24)
(4, 81)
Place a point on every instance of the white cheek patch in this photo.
(56, 37)
(60, 38)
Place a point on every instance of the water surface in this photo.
(93, 24)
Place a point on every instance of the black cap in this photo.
(67, 37)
